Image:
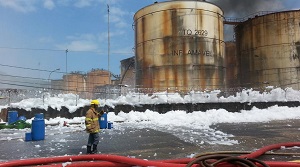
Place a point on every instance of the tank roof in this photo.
(176, 1)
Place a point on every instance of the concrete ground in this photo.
(152, 144)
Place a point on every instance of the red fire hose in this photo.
(116, 161)
(102, 160)
(269, 148)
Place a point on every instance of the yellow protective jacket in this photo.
(92, 121)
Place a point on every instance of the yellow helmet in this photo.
(96, 102)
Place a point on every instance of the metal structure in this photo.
(268, 50)
(231, 65)
(108, 43)
(97, 77)
(74, 83)
(128, 72)
(180, 45)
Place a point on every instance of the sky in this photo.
(38, 37)
(185, 126)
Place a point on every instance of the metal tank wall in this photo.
(231, 65)
(268, 50)
(97, 77)
(74, 83)
(179, 45)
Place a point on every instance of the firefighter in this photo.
(92, 126)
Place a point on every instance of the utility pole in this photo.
(67, 87)
(108, 43)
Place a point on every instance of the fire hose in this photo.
(214, 160)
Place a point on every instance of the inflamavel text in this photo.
(195, 52)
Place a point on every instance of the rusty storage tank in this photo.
(268, 50)
(97, 77)
(74, 82)
(231, 65)
(179, 44)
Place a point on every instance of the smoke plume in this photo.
(244, 8)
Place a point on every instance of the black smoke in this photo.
(244, 9)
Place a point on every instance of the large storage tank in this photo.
(74, 83)
(231, 65)
(268, 50)
(97, 77)
(179, 44)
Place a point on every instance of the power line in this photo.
(31, 83)
(27, 68)
(22, 77)
(28, 86)
(17, 48)
(62, 50)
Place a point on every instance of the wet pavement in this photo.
(152, 144)
(255, 135)
(139, 143)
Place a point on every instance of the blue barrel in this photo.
(39, 116)
(38, 129)
(28, 136)
(12, 116)
(109, 125)
(103, 121)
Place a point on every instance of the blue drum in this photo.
(12, 117)
(38, 129)
(103, 121)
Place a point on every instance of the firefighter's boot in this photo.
(95, 151)
(89, 150)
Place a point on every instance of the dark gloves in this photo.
(101, 112)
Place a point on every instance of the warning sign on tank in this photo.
(189, 32)
(196, 52)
